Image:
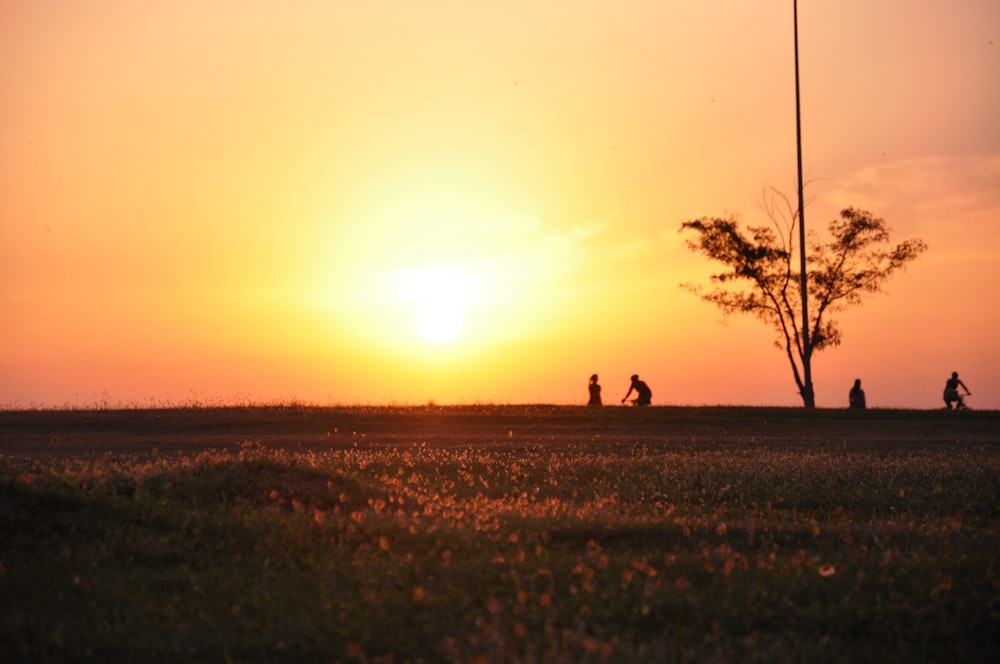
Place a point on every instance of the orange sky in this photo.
(248, 201)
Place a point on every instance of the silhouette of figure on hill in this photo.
(951, 395)
(856, 398)
(595, 392)
(644, 395)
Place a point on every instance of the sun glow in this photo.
(439, 294)
(440, 320)
(430, 285)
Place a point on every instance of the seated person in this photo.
(595, 392)
(857, 396)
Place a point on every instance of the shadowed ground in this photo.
(499, 534)
(86, 432)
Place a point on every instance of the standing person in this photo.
(951, 395)
(857, 396)
(595, 392)
(644, 395)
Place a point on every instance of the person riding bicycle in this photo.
(951, 395)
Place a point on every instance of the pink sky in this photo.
(225, 202)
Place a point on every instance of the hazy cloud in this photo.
(961, 190)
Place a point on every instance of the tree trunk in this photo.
(808, 396)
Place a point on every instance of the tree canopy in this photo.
(759, 277)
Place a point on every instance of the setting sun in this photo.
(439, 320)
(439, 293)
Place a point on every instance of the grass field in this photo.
(499, 534)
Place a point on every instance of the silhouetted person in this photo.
(644, 395)
(951, 395)
(857, 396)
(595, 392)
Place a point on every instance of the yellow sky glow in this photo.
(228, 202)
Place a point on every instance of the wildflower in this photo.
(643, 567)
(942, 587)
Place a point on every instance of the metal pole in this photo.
(806, 350)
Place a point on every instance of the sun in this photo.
(439, 320)
(439, 294)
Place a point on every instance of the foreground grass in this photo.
(508, 552)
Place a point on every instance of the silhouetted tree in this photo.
(760, 278)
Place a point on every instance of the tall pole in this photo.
(807, 390)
